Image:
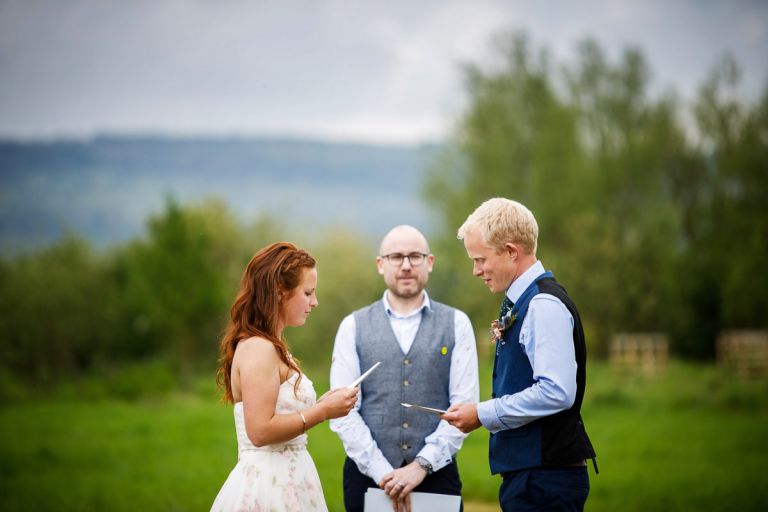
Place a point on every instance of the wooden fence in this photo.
(744, 352)
(645, 353)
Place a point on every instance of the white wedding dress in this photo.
(278, 477)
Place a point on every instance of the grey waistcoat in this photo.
(419, 377)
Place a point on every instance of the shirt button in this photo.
(405, 447)
(405, 425)
(406, 361)
(406, 383)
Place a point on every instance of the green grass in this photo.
(692, 439)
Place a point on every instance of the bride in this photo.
(274, 402)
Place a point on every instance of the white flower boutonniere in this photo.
(498, 327)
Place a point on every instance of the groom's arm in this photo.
(547, 338)
(351, 429)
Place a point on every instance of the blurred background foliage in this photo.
(652, 212)
(653, 215)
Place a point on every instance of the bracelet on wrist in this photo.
(303, 420)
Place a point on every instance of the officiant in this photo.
(428, 357)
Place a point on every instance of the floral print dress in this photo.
(279, 477)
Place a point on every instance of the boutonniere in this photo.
(499, 326)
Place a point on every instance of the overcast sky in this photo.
(378, 70)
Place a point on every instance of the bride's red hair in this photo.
(256, 310)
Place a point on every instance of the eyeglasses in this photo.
(396, 259)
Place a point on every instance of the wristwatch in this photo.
(424, 463)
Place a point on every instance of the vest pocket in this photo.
(374, 419)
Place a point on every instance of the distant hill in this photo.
(106, 187)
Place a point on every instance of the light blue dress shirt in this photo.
(546, 336)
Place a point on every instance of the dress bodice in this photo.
(275, 477)
(287, 402)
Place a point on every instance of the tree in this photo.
(54, 312)
(635, 219)
(176, 283)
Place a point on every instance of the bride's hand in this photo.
(338, 402)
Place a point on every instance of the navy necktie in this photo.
(506, 306)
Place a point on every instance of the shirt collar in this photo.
(392, 313)
(522, 283)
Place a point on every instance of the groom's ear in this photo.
(512, 251)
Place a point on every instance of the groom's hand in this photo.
(463, 416)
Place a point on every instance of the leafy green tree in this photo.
(54, 312)
(518, 140)
(632, 143)
(727, 215)
(637, 215)
(175, 284)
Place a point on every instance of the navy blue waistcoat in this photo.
(556, 440)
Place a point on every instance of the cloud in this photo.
(338, 69)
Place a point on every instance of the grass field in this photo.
(692, 439)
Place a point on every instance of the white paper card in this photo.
(376, 500)
(365, 375)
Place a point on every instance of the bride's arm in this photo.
(258, 367)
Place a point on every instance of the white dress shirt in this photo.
(445, 441)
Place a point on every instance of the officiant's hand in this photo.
(463, 416)
(399, 483)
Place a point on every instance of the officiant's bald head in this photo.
(405, 262)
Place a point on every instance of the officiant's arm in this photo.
(441, 446)
(355, 435)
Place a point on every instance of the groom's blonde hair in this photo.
(499, 221)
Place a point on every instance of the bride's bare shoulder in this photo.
(256, 347)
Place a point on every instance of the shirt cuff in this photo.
(378, 469)
(486, 413)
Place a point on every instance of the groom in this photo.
(538, 443)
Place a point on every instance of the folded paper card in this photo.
(376, 500)
(366, 374)
(424, 409)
